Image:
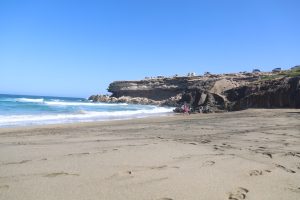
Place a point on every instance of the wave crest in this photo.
(29, 100)
(65, 103)
(82, 116)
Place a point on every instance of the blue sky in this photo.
(77, 47)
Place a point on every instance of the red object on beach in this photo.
(186, 108)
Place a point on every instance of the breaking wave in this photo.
(65, 103)
(29, 100)
(23, 110)
(82, 116)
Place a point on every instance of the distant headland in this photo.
(211, 92)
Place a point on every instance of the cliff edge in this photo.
(211, 93)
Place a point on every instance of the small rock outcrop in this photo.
(172, 101)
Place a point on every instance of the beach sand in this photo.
(252, 154)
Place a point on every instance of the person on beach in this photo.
(186, 108)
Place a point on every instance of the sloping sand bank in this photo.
(253, 154)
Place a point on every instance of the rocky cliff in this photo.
(168, 91)
(278, 93)
(210, 93)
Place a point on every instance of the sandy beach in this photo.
(252, 154)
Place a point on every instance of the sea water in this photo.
(23, 110)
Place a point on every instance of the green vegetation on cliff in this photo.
(287, 73)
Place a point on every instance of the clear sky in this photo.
(77, 47)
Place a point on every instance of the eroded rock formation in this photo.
(278, 93)
(209, 93)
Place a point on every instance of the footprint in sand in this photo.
(285, 169)
(258, 172)
(14, 163)
(205, 141)
(268, 154)
(55, 174)
(238, 194)
(159, 167)
(217, 148)
(297, 154)
(295, 189)
(255, 173)
(208, 163)
(78, 154)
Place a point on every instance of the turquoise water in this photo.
(20, 110)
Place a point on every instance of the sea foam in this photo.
(29, 100)
(64, 103)
(82, 116)
(20, 110)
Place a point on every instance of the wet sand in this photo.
(252, 154)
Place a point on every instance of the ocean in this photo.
(24, 110)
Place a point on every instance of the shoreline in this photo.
(18, 110)
(164, 116)
(85, 123)
(250, 154)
